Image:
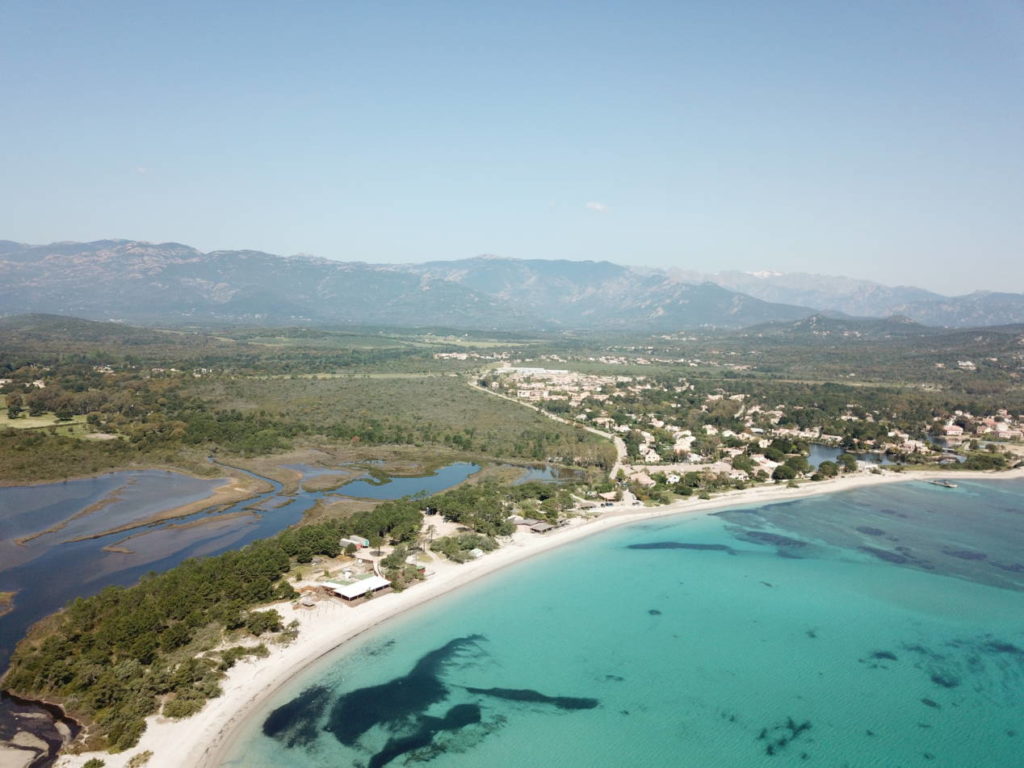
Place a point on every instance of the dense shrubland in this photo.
(159, 418)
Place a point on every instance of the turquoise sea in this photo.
(878, 627)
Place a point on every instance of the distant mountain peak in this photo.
(141, 281)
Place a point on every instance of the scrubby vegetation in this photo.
(170, 417)
(460, 547)
(421, 410)
(115, 658)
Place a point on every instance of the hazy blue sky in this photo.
(879, 139)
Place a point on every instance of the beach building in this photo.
(541, 527)
(358, 589)
(643, 479)
(358, 541)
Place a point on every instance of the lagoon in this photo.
(54, 546)
(370, 487)
(819, 453)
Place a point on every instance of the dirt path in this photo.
(618, 442)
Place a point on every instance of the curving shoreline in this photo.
(204, 739)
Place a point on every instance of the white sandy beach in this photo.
(201, 740)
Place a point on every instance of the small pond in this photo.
(377, 486)
(820, 453)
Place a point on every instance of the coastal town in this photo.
(674, 427)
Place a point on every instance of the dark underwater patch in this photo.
(535, 697)
(921, 650)
(1011, 567)
(393, 702)
(945, 680)
(654, 612)
(877, 659)
(924, 652)
(886, 555)
(931, 703)
(965, 554)
(383, 648)
(295, 723)
(771, 539)
(683, 545)
(893, 512)
(398, 708)
(778, 737)
(787, 554)
(997, 646)
(455, 718)
(869, 531)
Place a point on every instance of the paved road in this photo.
(618, 442)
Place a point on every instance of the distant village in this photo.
(731, 434)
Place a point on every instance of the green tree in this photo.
(828, 469)
(847, 462)
(743, 463)
(798, 464)
(783, 472)
(14, 405)
(36, 405)
(376, 540)
(258, 622)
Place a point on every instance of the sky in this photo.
(876, 139)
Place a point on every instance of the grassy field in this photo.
(75, 427)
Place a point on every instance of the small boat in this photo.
(943, 483)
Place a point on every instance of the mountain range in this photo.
(864, 298)
(135, 281)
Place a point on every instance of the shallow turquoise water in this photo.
(783, 635)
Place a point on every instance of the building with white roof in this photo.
(358, 589)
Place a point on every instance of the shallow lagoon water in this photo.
(819, 453)
(51, 569)
(397, 487)
(761, 636)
